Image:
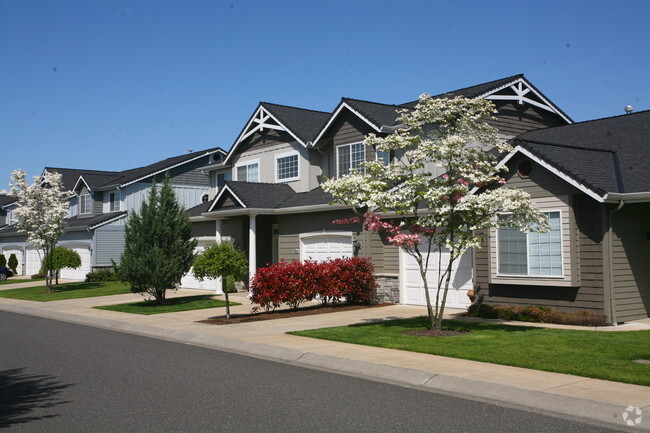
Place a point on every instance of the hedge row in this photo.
(293, 283)
(539, 314)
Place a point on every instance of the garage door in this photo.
(86, 265)
(33, 261)
(325, 247)
(189, 282)
(19, 255)
(413, 289)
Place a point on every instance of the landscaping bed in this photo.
(284, 314)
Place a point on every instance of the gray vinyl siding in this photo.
(631, 262)
(95, 206)
(513, 119)
(582, 239)
(189, 174)
(109, 245)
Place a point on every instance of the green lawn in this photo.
(171, 305)
(18, 281)
(66, 291)
(602, 355)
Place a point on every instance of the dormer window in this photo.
(286, 167)
(85, 204)
(115, 200)
(350, 157)
(383, 157)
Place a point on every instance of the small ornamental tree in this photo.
(63, 258)
(13, 262)
(437, 213)
(41, 212)
(221, 260)
(3, 260)
(159, 248)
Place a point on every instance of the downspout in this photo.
(610, 248)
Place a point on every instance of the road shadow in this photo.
(21, 394)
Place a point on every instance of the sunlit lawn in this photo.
(66, 291)
(170, 305)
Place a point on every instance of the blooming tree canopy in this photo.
(442, 186)
(41, 212)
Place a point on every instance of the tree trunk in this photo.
(444, 293)
(225, 292)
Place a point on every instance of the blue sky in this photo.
(112, 85)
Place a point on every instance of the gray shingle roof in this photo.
(70, 176)
(302, 122)
(6, 199)
(379, 114)
(74, 223)
(608, 155)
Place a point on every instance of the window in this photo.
(533, 253)
(205, 198)
(115, 199)
(248, 173)
(383, 156)
(286, 167)
(222, 178)
(85, 203)
(350, 157)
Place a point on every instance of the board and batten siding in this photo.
(108, 243)
(631, 262)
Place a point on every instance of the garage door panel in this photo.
(85, 268)
(460, 283)
(325, 247)
(189, 282)
(19, 257)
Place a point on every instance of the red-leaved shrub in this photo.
(293, 283)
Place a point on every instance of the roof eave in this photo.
(272, 211)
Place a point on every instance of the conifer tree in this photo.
(159, 248)
(13, 262)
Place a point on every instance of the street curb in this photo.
(580, 410)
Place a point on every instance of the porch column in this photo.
(217, 235)
(252, 248)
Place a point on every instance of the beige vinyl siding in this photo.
(631, 262)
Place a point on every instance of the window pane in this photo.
(288, 167)
(241, 173)
(358, 155)
(546, 249)
(512, 251)
(344, 160)
(253, 175)
(384, 157)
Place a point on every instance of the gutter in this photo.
(610, 252)
(630, 197)
(265, 211)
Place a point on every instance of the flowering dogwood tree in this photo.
(41, 212)
(442, 211)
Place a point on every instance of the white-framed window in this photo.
(286, 167)
(350, 157)
(115, 201)
(383, 156)
(248, 171)
(222, 178)
(85, 203)
(531, 254)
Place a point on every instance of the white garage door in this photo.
(33, 261)
(19, 255)
(413, 289)
(325, 247)
(86, 265)
(189, 282)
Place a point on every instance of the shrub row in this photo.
(293, 283)
(540, 314)
(101, 275)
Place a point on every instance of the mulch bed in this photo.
(435, 333)
(283, 314)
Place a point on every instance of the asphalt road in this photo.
(61, 377)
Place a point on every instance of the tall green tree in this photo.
(13, 262)
(159, 248)
(221, 260)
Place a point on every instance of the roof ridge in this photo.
(585, 121)
(568, 146)
(372, 102)
(469, 87)
(83, 170)
(296, 108)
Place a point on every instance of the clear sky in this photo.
(111, 85)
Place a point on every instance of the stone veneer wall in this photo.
(387, 288)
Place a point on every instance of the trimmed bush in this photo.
(539, 314)
(101, 276)
(293, 283)
(36, 276)
(3, 260)
(13, 262)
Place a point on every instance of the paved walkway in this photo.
(592, 399)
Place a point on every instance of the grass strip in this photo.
(597, 354)
(171, 305)
(66, 291)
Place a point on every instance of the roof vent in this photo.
(629, 109)
(190, 150)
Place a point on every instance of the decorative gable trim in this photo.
(170, 167)
(81, 179)
(221, 193)
(336, 114)
(521, 87)
(555, 171)
(261, 119)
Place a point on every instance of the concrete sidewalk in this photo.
(593, 400)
